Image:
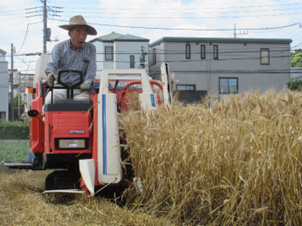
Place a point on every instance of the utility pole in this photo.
(47, 11)
(44, 26)
(12, 84)
(19, 96)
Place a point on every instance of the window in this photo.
(109, 53)
(228, 85)
(264, 56)
(186, 87)
(188, 51)
(203, 52)
(215, 52)
(132, 61)
(154, 56)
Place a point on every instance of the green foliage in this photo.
(13, 130)
(14, 151)
(296, 58)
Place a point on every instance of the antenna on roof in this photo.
(240, 32)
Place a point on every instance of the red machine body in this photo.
(66, 132)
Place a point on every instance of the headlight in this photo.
(72, 144)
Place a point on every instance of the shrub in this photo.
(295, 85)
(13, 130)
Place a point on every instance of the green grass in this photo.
(13, 151)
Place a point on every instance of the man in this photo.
(73, 54)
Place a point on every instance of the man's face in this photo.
(78, 36)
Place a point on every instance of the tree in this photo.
(296, 58)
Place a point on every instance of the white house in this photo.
(3, 87)
(117, 51)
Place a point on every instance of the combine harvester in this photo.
(81, 139)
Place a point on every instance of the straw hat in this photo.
(79, 20)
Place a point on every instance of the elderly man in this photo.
(73, 54)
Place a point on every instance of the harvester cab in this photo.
(80, 140)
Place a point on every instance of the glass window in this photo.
(228, 85)
(215, 52)
(109, 53)
(264, 56)
(203, 52)
(186, 87)
(188, 51)
(132, 61)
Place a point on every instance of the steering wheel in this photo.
(69, 87)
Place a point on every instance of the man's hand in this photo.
(50, 79)
(85, 86)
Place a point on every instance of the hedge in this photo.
(294, 85)
(13, 130)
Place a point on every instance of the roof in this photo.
(112, 37)
(221, 40)
(2, 52)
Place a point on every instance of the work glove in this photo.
(50, 79)
(85, 86)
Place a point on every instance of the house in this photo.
(222, 65)
(117, 51)
(4, 113)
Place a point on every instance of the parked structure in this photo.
(223, 65)
(117, 51)
(3, 87)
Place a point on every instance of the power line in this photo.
(26, 35)
(192, 29)
(45, 11)
(183, 11)
(121, 9)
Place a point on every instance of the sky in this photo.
(21, 21)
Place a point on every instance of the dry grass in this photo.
(237, 163)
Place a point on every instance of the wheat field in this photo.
(229, 161)
(237, 162)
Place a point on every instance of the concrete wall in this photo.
(296, 73)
